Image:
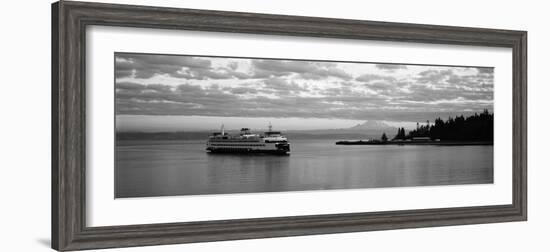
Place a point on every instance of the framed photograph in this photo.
(179, 125)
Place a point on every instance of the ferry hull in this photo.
(246, 151)
(281, 149)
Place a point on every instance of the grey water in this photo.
(165, 168)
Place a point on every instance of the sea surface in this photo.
(162, 168)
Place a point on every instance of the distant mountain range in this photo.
(372, 125)
(366, 130)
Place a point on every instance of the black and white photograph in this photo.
(274, 126)
(196, 125)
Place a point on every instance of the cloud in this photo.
(129, 86)
(304, 69)
(187, 99)
(208, 86)
(284, 66)
(242, 90)
(485, 70)
(283, 86)
(433, 76)
(390, 67)
(447, 85)
(144, 66)
(375, 77)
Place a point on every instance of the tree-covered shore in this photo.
(478, 127)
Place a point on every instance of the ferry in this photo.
(271, 142)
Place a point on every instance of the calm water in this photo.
(159, 168)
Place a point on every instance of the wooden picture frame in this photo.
(69, 20)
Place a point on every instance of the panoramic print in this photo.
(195, 125)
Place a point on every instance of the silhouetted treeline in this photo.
(400, 134)
(478, 127)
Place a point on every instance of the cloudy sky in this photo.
(173, 92)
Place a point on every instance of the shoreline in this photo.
(440, 143)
